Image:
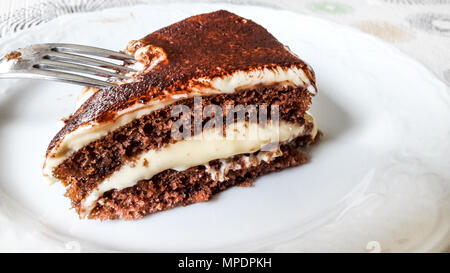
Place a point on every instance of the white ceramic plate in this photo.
(378, 181)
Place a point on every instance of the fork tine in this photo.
(66, 77)
(53, 55)
(49, 64)
(90, 50)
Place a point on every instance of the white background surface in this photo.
(379, 180)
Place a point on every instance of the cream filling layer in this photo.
(241, 137)
(246, 162)
(85, 94)
(88, 133)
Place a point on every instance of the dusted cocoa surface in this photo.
(87, 167)
(170, 188)
(207, 45)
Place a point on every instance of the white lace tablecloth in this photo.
(421, 28)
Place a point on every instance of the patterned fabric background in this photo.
(421, 28)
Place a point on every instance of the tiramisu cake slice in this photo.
(217, 101)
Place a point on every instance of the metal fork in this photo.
(56, 62)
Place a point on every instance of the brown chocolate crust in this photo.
(207, 45)
(87, 167)
(170, 188)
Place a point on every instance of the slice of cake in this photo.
(217, 101)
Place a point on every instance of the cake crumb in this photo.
(13, 55)
(145, 163)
